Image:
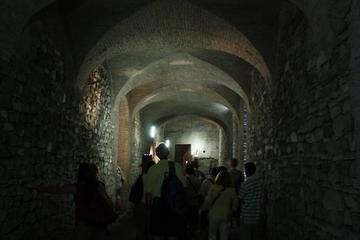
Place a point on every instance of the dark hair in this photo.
(148, 165)
(234, 162)
(94, 168)
(189, 169)
(86, 182)
(195, 164)
(214, 172)
(224, 179)
(162, 151)
(250, 168)
(222, 169)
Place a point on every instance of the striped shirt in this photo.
(251, 194)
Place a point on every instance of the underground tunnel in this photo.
(274, 83)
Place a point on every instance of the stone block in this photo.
(332, 200)
(4, 114)
(294, 137)
(335, 111)
(347, 218)
(353, 203)
(8, 127)
(339, 125)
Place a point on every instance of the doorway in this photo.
(183, 153)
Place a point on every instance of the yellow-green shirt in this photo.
(225, 205)
(156, 175)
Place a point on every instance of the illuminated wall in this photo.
(203, 135)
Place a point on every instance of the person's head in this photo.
(195, 164)
(224, 179)
(162, 151)
(233, 163)
(189, 169)
(86, 182)
(214, 172)
(222, 169)
(148, 165)
(86, 174)
(250, 169)
(94, 169)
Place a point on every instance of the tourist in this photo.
(251, 197)
(208, 182)
(199, 174)
(236, 175)
(166, 197)
(193, 199)
(221, 202)
(120, 181)
(204, 190)
(93, 207)
(138, 199)
(223, 169)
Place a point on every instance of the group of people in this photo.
(172, 202)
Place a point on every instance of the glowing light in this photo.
(131, 72)
(167, 143)
(180, 62)
(152, 131)
(195, 153)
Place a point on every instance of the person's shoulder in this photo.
(215, 187)
(153, 170)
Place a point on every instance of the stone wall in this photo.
(123, 139)
(44, 137)
(302, 130)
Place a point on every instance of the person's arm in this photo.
(243, 191)
(203, 188)
(65, 189)
(235, 202)
(104, 195)
(148, 199)
(148, 188)
(180, 174)
(208, 199)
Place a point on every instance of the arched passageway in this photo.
(271, 82)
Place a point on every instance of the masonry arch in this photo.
(181, 26)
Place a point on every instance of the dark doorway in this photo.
(182, 153)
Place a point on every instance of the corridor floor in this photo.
(124, 229)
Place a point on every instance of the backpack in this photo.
(173, 193)
(137, 190)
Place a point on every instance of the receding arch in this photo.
(170, 25)
(171, 90)
(195, 71)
